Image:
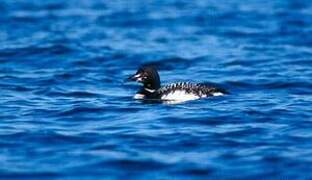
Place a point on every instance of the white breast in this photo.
(179, 95)
(139, 96)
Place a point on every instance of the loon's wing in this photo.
(199, 89)
(212, 88)
(170, 88)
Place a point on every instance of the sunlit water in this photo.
(65, 110)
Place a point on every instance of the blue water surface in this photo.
(65, 111)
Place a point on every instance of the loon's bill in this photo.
(183, 91)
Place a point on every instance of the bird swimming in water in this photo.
(180, 92)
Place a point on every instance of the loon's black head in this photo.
(148, 76)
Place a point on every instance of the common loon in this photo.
(182, 91)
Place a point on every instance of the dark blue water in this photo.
(65, 110)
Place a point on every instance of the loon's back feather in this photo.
(199, 89)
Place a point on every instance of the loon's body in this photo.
(183, 91)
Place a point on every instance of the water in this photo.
(66, 111)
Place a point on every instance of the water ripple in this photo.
(67, 112)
